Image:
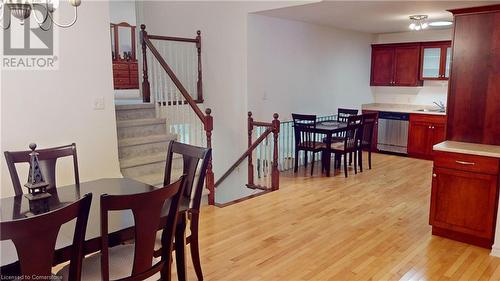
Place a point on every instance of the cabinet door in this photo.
(407, 65)
(464, 202)
(382, 71)
(447, 65)
(431, 63)
(418, 139)
(438, 135)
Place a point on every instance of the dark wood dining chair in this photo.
(368, 121)
(305, 138)
(344, 113)
(47, 157)
(136, 261)
(193, 192)
(351, 142)
(35, 238)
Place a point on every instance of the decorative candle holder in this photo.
(37, 187)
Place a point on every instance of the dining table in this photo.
(328, 128)
(121, 223)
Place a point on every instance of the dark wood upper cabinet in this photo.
(395, 65)
(435, 60)
(474, 89)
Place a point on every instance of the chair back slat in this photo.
(343, 114)
(301, 124)
(35, 238)
(191, 156)
(146, 208)
(353, 133)
(48, 160)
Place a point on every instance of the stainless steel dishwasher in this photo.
(393, 132)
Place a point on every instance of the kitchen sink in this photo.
(431, 110)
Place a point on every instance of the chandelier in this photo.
(418, 22)
(22, 9)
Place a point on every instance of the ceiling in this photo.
(371, 16)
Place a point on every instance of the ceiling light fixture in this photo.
(418, 22)
(440, 23)
(22, 9)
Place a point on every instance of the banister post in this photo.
(250, 160)
(275, 174)
(146, 95)
(199, 84)
(210, 182)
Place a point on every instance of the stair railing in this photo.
(269, 130)
(168, 95)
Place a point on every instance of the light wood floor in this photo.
(370, 226)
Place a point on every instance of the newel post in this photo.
(146, 95)
(199, 84)
(210, 182)
(250, 160)
(275, 173)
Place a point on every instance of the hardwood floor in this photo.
(370, 226)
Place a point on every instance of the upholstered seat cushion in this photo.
(121, 259)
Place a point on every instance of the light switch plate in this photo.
(99, 103)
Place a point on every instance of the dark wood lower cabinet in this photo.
(464, 198)
(424, 132)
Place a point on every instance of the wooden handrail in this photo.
(244, 155)
(262, 124)
(171, 38)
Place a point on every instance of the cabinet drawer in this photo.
(466, 162)
(428, 118)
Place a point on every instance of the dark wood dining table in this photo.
(328, 129)
(121, 224)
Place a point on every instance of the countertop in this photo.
(405, 108)
(469, 148)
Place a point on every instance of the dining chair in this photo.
(344, 113)
(368, 121)
(35, 237)
(350, 143)
(47, 158)
(136, 261)
(305, 138)
(191, 157)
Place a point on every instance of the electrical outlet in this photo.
(99, 103)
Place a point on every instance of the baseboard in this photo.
(495, 251)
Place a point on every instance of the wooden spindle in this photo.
(275, 174)
(210, 182)
(250, 158)
(199, 84)
(146, 95)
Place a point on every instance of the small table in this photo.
(121, 224)
(329, 128)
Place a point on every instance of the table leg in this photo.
(328, 152)
(180, 242)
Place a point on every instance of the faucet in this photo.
(441, 105)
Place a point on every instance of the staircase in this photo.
(142, 143)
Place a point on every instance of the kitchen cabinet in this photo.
(424, 132)
(395, 65)
(435, 60)
(375, 130)
(464, 197)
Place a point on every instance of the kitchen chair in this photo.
(47, 158)
(191, 156)
(35, 238)
(350, 144)
(368, 121)
(305, 139)
(343, 114)
(136, 261)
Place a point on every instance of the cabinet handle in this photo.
(465, 163)
(434, 175)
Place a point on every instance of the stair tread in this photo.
(134, 106)
(140, 122)
(143, 160)
(147, 139)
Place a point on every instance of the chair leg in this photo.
(180, 242)
(350, 158)
(312, 164)
(370, 159)
(296, 167)
(360, 160)
(194, 246)
(355, 155)
(305, 158)
(345, 164)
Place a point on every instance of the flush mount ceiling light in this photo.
(440, 23)
(22, 9)
(418, 22)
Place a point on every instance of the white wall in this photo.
(305, 68)
(431, 90)
(224, 57)
(55, 108)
